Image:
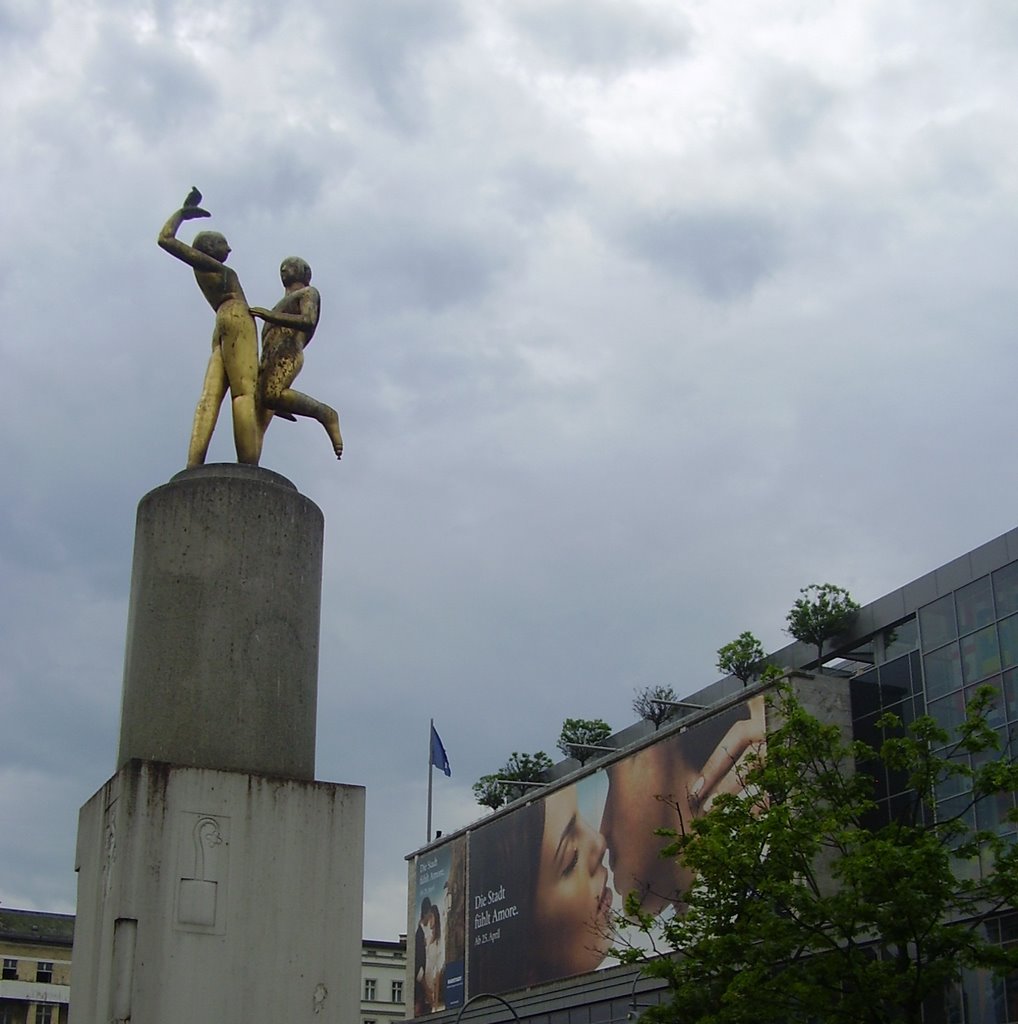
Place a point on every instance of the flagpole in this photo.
(431, 731)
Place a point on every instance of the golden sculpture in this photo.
(233, 364)
(288, 329)
(257, 393)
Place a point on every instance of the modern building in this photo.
(921, 649)
(383, 981)
(36, 951)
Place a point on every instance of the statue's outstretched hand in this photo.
(193, 212)
(259, 312)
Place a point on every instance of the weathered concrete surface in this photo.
(218, 896)
(221, 662)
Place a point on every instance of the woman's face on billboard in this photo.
(667, 785)
(573, 901)
(643, 795)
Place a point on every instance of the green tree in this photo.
(823, 611)
(742, 658)
(647, 703)
(497, 789)
(489, 792)
(810, 903)
(579, 735)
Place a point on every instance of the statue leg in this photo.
(240, 358)
(245, 429)
(280, 364)
(205, 415)
(299, 404)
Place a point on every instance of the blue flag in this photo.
(439, 758)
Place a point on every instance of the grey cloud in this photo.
(532, 189)
(146, 87)
(723, 254)
(599, 34)
(284, 175)
(405, 264)
(387, 45)
(247, 19)
(22, 23)
(792, 105)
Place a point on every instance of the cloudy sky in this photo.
(639, 316)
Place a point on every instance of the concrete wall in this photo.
(218, 896)
(221, 661)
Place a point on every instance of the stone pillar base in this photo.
(208, 895)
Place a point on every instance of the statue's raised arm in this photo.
(168, 235)
(233, 363)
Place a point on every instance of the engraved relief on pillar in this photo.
(203, 860)
(109, 854)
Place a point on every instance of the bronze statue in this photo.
(234, 360)
(288, 329)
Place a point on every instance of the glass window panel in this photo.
(968, 870)
(1009, 998)
(901, 639)
(957, 807)
(975, 605)
(995, 709)
(865, 730)
(979, 997)
(1008, 629)
(876, 818)
(948, 712)
(953, 785)
(905, 712)
(1005, 589)
(984, 756)
(895, 681)
(943, 671)
(902, 803)
(980, 656)
(892, 729)
(875, 770)
(949, 1012)
(916, 664)
(992, 811)
(864, 692)
(1008, 924)
(1010, 687)
(937, 623)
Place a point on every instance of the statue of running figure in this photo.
(289, 327)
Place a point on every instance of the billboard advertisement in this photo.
(439, 931)
(547, 880)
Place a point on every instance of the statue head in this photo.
(294, 270)
(213, 244)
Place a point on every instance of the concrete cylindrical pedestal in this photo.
(221, 662)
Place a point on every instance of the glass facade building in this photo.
(923, 649)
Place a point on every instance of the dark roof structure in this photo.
(35, 926)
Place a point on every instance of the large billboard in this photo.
(546, 881)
